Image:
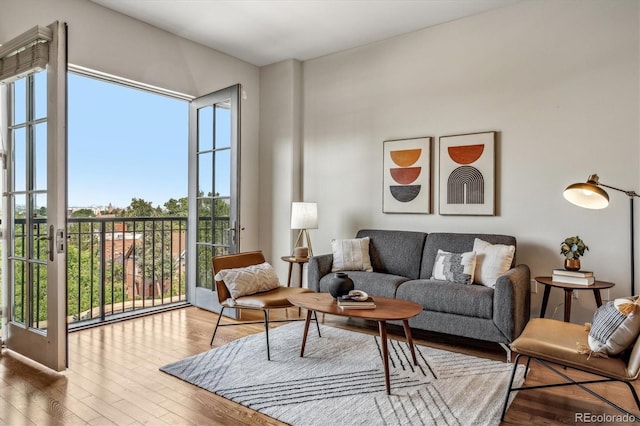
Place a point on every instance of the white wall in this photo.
(558, 80)
(107, 41)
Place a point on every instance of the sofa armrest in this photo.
(512, 301)
(319, 266)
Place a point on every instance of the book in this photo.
(573, 280)
(346, 302)
(567, 273)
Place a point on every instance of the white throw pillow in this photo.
(351, 255)
(249, 280)
(456, 267)
(613, 331)
(492, 260)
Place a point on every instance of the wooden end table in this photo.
(568, 289)
(291, 261)
(386, 309)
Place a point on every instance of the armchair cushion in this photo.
(249, 279)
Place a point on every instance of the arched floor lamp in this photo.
(589, 195)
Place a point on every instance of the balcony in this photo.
(116, 268)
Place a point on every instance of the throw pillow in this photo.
(615, 326)
(456, 267)
(249, 280)
(351, 255)
(492, 260)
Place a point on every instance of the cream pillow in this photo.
(351, 255)
(249, 280)
(492, 260)
(456, 267)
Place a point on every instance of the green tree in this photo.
(83, 213)
(179, 207)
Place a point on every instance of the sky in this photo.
(124, 143)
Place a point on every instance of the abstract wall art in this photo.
(467, 174)
(407, 176)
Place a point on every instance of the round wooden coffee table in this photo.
(386, 309)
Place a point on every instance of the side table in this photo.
(292, 261)
(568, 289)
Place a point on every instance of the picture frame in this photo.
(467, 174)
(406, 183)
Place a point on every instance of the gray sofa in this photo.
(402, 264)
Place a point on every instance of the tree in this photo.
(83, 213)
(140, 208)
(179, 207)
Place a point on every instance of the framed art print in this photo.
(467, 174)
(407, 176)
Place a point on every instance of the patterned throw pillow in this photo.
(456, 267)
(249, 280)
(351, 255)
(492, 260)
(615, 326)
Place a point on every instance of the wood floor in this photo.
(113, 379)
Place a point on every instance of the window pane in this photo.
(223, 126)
(204, 267)
(40, 89)
(205, 174)
(39, 296)
(20, 228)
(19, 159)
(204, 220)
(19, 272)
(40, 157)
(223, 176)
(205, 129)
(19, 101)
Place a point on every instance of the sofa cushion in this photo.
(455, 243)
(456, 267)
(374, 283)
(396, 252)
(443, 296)
(492, 260)
(351, 255)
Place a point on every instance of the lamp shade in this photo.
(304, 216)
(587, 194)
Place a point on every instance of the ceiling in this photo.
(263, 32)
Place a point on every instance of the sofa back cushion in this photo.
(456, 243)
(395, 252)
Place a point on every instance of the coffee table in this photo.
(386, 309)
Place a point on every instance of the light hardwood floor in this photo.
(113, 379)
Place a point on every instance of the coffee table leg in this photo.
(385, 354)
(407, 334)
(306, 331)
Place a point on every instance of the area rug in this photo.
(340, 380)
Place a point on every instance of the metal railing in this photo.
(122, 266)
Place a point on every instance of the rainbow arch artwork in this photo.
(406, 176)
(467, 169)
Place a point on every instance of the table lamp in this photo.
(304, 216)
(590, 195)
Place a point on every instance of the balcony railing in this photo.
(117, 266)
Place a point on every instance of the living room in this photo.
(557, 80)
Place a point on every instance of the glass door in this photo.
(34, 209)
(213, 189)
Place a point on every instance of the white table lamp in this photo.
(304, 216)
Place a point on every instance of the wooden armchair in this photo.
(551, 342)
(263, 301)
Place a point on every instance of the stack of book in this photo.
(345, 302)
(573, 277)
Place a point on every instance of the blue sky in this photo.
(124, 143)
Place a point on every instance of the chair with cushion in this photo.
(551, 342)
(247, 281)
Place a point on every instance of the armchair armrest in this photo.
(512, 301)
(319, 266)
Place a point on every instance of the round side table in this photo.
(568, 289)
(292, 261)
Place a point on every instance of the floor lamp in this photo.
(304, 216)
(589, 195)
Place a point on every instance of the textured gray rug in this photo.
(340, 380)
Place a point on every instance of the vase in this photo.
(572, 264)
(340, 285)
